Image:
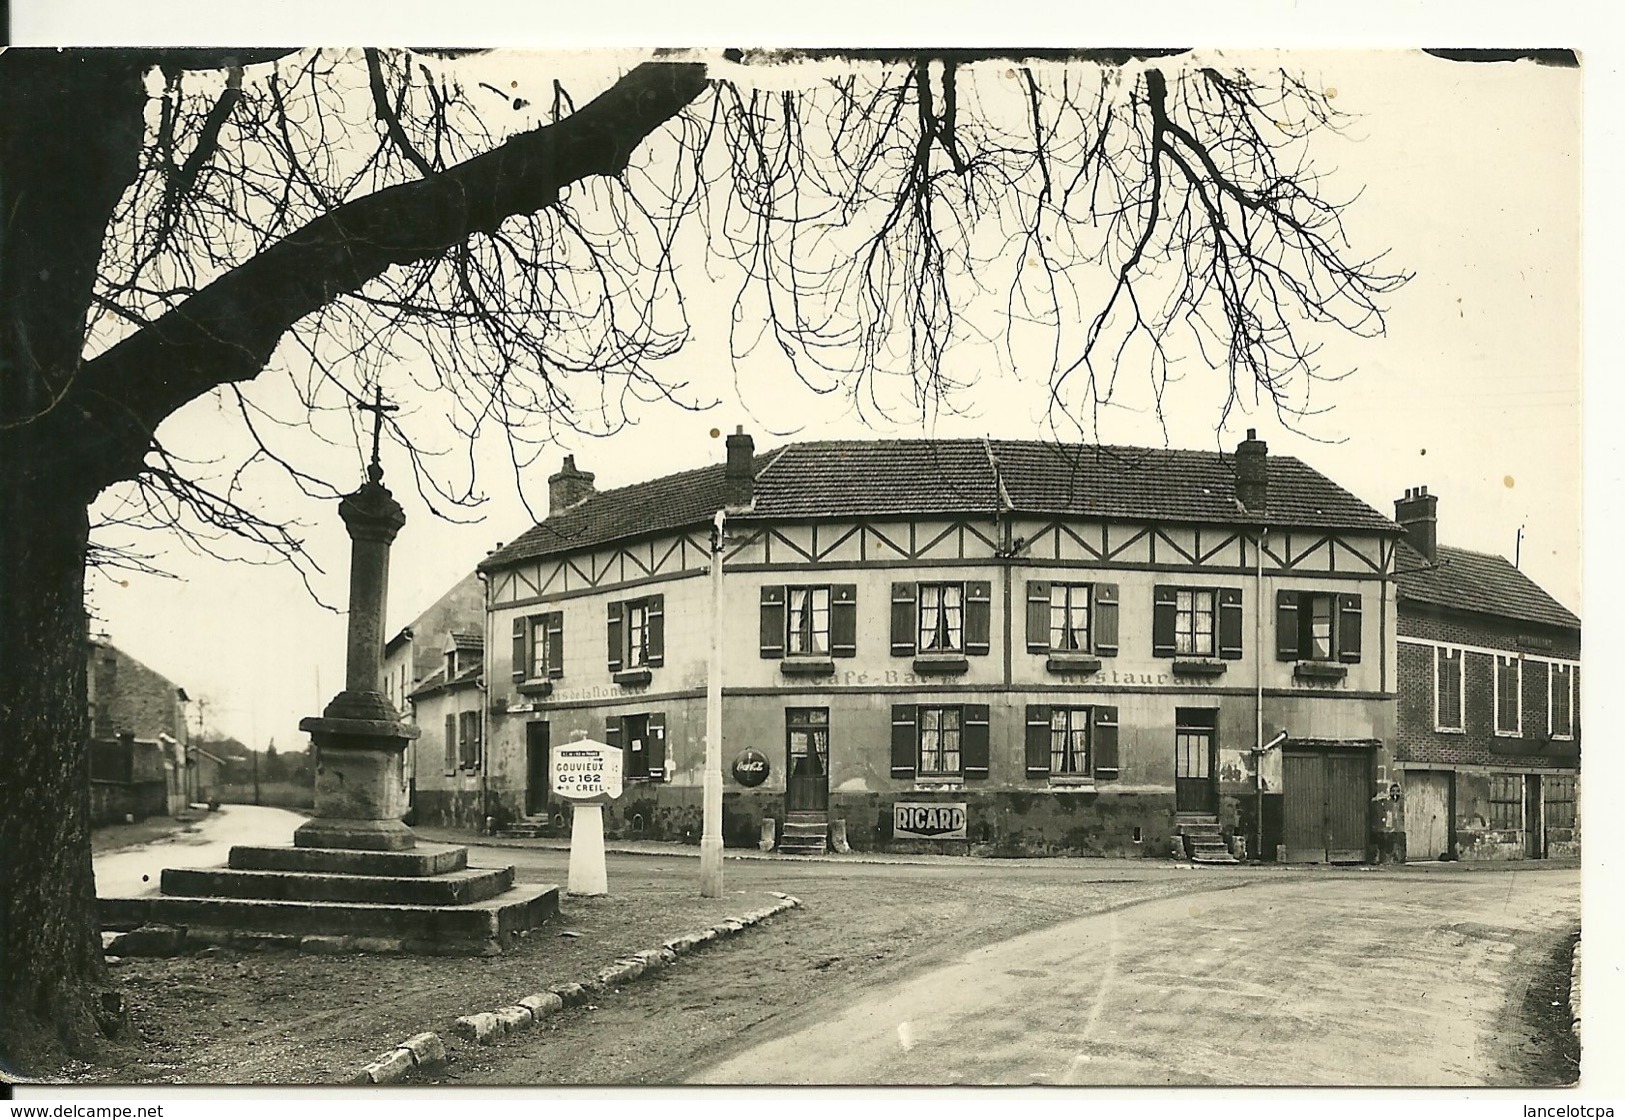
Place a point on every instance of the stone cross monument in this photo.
(360, 738)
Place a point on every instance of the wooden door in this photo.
(1194, 791)
(1303, 808)
(1348, 795)
(1534, 828)
(1325, 797)
(537, 750)
(806, 787)
(1427, 814)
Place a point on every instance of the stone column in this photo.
(360, 738)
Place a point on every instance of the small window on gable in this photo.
(1448, 678)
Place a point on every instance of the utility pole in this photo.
(711, 781)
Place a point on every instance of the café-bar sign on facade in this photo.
(928, 820)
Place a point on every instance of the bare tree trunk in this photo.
(70, 136)
(53, 982)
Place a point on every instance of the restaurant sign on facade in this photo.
(933, 820)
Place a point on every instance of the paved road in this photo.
(1387, 978)
(135, 871)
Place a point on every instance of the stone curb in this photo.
(424, 1049)
(1574, 988)
(487, 1027)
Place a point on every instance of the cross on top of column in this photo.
(375, 470)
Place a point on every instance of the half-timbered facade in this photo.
(998, 645)
(1489, 702)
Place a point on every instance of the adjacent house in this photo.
(139, 762)
(1489, 702)
(433, 668)
(983, 645)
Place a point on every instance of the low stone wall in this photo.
(283, 795)
(112, 802)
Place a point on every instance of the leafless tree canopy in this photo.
(889, 229)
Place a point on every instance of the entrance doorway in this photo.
(537, 766)
(1429, 811)
(1195, 748)
(807, 760)
(1534, 829)
(1324, 796)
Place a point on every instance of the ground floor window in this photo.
(936, 742)
(1506, 801)
(642, 739)
(940, 729)
(1069, 741)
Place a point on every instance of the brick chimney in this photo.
(739, 480)
(1252, 472)
(1418, 514)
(569, 487)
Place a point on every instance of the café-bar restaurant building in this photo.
(962, 645)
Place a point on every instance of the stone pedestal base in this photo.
(355, 833)
(360, 783)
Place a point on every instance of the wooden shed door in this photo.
(1324, 806)
(1427, 814)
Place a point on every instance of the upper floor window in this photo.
(1196, 622)
(933, 742)
(1072, 618)
(1508, 695)
(941, 618)
(1448, 691)
(538, 646)
(809, 621)
(637, 634)
(1317, 626)
(1560, 707)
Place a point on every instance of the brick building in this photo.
(1489, 702)
(963, 644)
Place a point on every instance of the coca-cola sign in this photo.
(751, 768)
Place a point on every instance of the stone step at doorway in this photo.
(1203, 838)
(805, 833)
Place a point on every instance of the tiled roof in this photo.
(896, 478)
(1477, 581)
(468, 640)
(436, 680)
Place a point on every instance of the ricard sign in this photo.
(929, 820)
(587, 771)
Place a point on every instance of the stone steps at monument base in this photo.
(423, 860)
(453, 888)
(479, 927)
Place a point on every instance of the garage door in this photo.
(1427, 814)
(1324, 795)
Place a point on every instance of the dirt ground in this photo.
(278, 1017)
